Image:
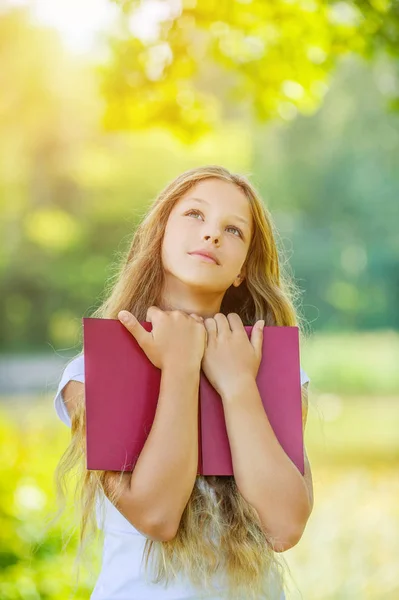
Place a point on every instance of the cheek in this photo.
(173, 240)
(182, 233)
(237, 253)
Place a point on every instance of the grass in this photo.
(350, 545)
(353, 363)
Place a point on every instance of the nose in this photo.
(213, 238)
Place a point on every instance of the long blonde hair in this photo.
(244, 551)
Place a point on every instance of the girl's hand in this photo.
(176, 337)
(229, 354)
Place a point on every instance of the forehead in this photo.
(224, 195)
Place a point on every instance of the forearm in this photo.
(264, 474)
(165, 472)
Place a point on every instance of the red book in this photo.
(122, 388)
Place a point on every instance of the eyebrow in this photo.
(234, 216)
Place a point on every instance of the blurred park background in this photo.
(101, 104)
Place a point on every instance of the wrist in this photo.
(237, 386)
(185, 368)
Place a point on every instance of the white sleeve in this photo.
(304, 377)
(74, 370)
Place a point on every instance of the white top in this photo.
(122, 574)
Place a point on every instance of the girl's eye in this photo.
(236, 228)
(196, 212)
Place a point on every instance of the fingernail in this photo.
(261, 323)
(123, 316)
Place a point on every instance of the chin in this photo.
(197, 279)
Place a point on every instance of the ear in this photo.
(239, 279)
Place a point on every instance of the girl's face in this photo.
(213, 216)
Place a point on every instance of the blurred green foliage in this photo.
(73, 193)
(353, 364)
(33, 561)
(203, 62)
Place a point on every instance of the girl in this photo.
(203, 536)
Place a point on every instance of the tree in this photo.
(274, 59)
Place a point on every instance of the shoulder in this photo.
(76, 366)
(304, 377)
(71, 395)
(73, 372)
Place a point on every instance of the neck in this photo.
(180, 296)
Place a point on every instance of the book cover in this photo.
(122, 388)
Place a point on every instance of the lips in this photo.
(207, 255)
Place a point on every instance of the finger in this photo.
(134, 327)
(152, 311)
(235, 322)
(257, 337)
(211, 329)
(197, 317)
(222, 324)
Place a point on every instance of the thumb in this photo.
(257, 336)
(134, 327)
